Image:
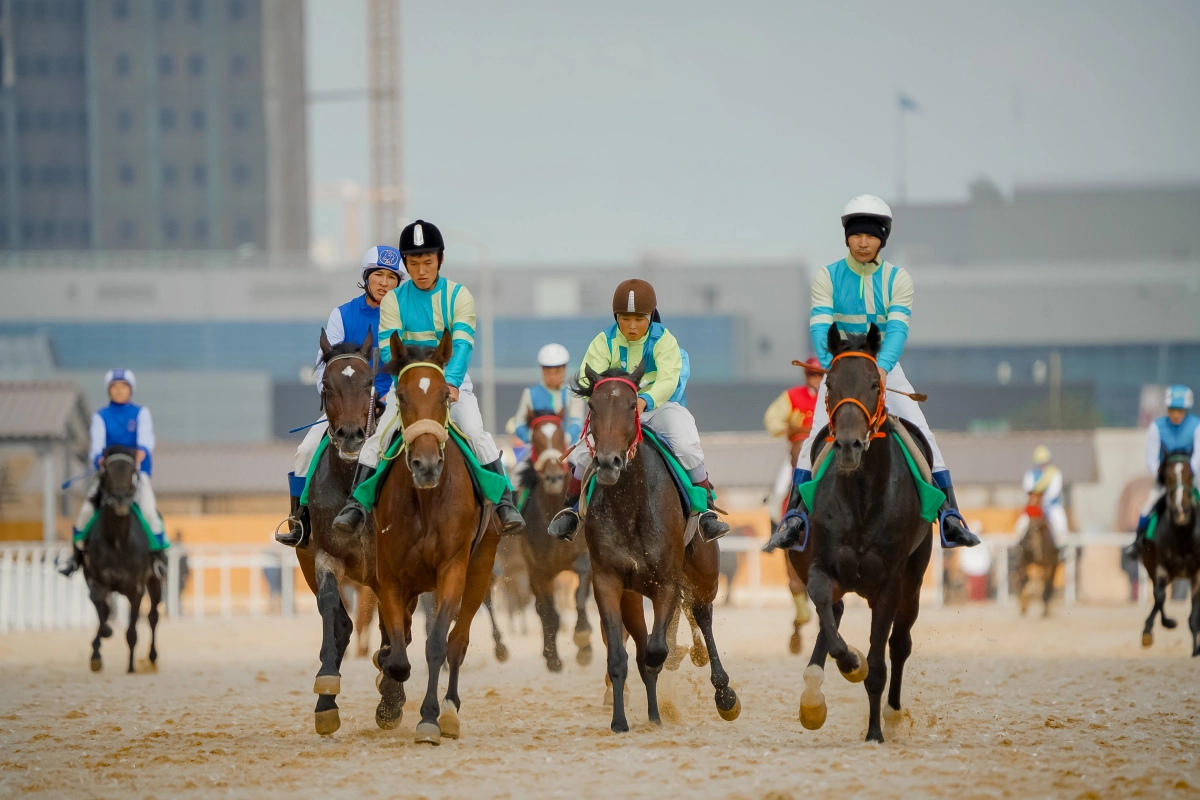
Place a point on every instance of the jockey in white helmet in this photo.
(552, 394)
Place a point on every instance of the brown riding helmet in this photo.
(634, 296)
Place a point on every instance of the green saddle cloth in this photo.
(157, 543)
(492, 485)
(316, 459)
(1153, 523)
(697, 496)
(932, 497)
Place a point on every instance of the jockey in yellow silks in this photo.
(1046, 482)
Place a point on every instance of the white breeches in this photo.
(1056, 515)
(308, 448)
(144, 497)
(464, 413)
(672, 423)
(904, 407)
(1156, 492)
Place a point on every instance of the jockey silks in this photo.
(542, 397)
(351, 322)
(1163, 437)
(854, 295)
(126, 425)
(667, 365)
(420, 317)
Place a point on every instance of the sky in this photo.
(544, 132)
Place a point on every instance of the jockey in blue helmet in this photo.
(1177, 432)
(382, 271)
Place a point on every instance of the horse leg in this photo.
(728, 704)
(635, 622)
(1194, 619)
(543, 603)
(699, 652)
(1165, 578)
(427, 601)
(362, 621)
(813, 709)
(390, 710)
(451, 583)
(676, 654)
(1048, 588)
(478, 586)
(1160, 596)
(135, 608)
(849, 660)
(100, 601)
(154, 588)
(583, 628)
(900, 644)
(500, 650)
(883, 612)
(396, 619)
(608, 591)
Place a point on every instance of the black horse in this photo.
(118, 557)
(867, 535)
(1174, 550)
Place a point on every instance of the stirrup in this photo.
(296, 535)
(948, 513)
(571, 535)
(700, 526)
(158, 565)
(794, 514)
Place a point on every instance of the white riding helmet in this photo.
(553, 355)
(866, 205)
(120, 375)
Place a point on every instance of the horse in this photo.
(332, 559)
(1037, 558)
(117, 555)
(635, 526)
(542, 480)
(866, 534)
(1174, 550)
(433, 536)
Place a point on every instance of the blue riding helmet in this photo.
(120, 375)
(383, 257)
(1179, 396)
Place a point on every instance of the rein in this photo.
(637, 418)
(439, 431)
(918, 397)
(874, 420)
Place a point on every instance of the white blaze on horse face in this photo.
(1178, 484)
(423, 384)
(348, 371)
(547, 429)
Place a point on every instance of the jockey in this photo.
(857, 290)
(792, 412)
(1046, 480)
(1177, 432)
(125, 424)
(349, 322)
(638, 336)
(419, 311)
(551, 394)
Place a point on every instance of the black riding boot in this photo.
(1134, 551)
(951, 524)
(566, 522)
(300, 529)
(712, 527)
(511, 521)
(74, 562)
(352, 514)
(793, 528)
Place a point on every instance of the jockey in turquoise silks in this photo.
(638, 336)
(858, 290)
(420, 311)
(349, 322)
(127, 425)
(1176, 433)
(551, 394)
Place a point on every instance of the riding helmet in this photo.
(553, 355)
(1179, 396)
(867, 214)
(421, 237)
(634, 296)
(120, 375)
(383, 257)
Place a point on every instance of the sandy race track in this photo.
(997, 707)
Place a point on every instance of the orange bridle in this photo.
(874, 421)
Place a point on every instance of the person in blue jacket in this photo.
(1176, 432)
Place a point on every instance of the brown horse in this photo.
(635, 529)
(1037, 558)
(333, 560)
(1172, 550)
(428, 520)
(543, 478)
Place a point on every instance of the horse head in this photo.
(547, 441)
(118, 479)
(852, 390)
(346, 393)
(1176, 475)
(423, 406)
(614, 420)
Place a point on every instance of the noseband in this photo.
(637, 418)
(420, 427)
(874, 421)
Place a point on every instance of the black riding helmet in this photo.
(421, 237)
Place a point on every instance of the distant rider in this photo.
(1177, 432)
(857, 290)
(552, 394)
(1045, 481)
(638, 336)
(420, 310)
(127, 425)
(349, 322)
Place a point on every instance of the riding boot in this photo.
(353, 513)
(299, 531)
(566, 522)
(1134, 551)
(74, 562)
(712, 527)
(792, 533)
(511, 521)
(950, 522)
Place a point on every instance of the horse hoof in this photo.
(387, 718)
(699, 655)
(379, 683)
(327, 722)
(501, 652)
(96, 664)
(105, 631)
(583, 639)
(448, 720)
(428, 733)
(327, 684)
(812, 701)
(859, 674)
(1147, 639)
(733, 713)
(377, 659)
(796, 643)
(1169, 624)
(891, 720)
(584, 656)
(554, 664)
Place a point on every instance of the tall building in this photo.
(152, 125)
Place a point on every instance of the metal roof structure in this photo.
(245, 469)
(43, 412)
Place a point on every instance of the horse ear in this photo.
(325, 345)
(591, 375)
(399, 357)
(368, 345)
(833, 340)
(445, 349)
(874, 339)
(639, 373)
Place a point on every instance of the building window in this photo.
(199, 174)
(124, 119)
(171, 229)
(241, 119)
(170, 175)
(128, 230)
(237, 9)
(165, 9)
(237, 65)
(241, 174)
(166, 64)
(200, 231)
(121, 9)
(198, 119)
(195, 10)
(245, 230)
(195, 64)
(166, 118)
(124, 65)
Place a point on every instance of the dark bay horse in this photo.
(867, 535)
(427, 517)
(634, 528)
(1174, 550)
(1037, 558)
(117, 554)
(544, 478)
(333, 560)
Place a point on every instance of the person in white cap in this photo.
(128, 425)
(551, 394)
(1046, 481)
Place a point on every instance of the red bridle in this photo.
(637, 418)
(874, 421)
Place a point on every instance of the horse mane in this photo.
(534, 413)
(340, 349)
(118, 449)
(1170, 458)
(415, 353)
(580, 390)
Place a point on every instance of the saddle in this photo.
(155, 544)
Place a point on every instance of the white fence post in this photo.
(287, 588)
(197, 563)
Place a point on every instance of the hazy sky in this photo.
(559, 132)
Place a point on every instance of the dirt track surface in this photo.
(996, 707)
